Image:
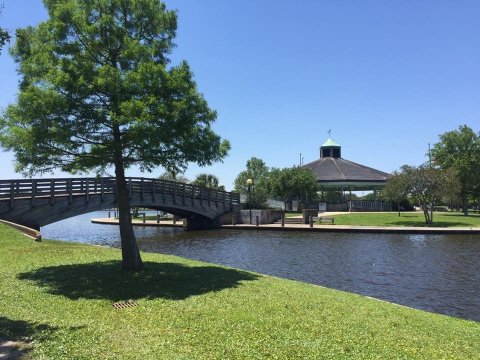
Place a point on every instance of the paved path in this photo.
(318, 228)
(139, 222)
(358, 229)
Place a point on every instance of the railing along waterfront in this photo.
(157, 189)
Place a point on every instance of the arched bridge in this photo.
(38, 202)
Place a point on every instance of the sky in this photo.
(387, 77)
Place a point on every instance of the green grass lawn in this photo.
(440, 219)
(293, 214)
(60, 296)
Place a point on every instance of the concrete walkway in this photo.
(318, 228)
(358, 229)
(139, 222)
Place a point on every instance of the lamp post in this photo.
(249, 185)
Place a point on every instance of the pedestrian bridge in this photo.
(39, 202)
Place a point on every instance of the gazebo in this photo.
(334, 173)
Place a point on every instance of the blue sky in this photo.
(387, 77)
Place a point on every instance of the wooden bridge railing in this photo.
(11, 190)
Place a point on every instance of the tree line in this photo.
(282, 183)
(450, 177)
(204, 180)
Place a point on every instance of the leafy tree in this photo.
(451, 196)
(396, 188)
(332, 196)
(258, 171)
(425, 184)
(208, 181)
(371, 196)
(289, 182)
(4, 35)
(97, 92)
(174, 177)
(460, 150)
(476, 196)
(306, 184)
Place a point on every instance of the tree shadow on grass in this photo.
(106, 280)
(20, 329)
(16, 336)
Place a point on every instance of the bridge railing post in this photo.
(192, 194)
(12, 194)
(70, 191)
(52, 192)
(102, 188)
(164, 190)
(87, 190)
(34, 193)
(154, 185)
(174, 191)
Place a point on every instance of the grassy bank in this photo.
(60, 295)
(440, 219)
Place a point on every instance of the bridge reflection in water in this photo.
(39, 202)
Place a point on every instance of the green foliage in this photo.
(97, 92)
(60, 296)
(371, 196)
(460, 150)
(290, 182)
(396, 188)
(174, 177)
(4, 35)
(424, 184)
(208, 181)
(452, 189)
(332, 197)
(96, 84)
(258, 171)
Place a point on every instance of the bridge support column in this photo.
(201, 223)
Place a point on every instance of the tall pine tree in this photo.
(97, 92)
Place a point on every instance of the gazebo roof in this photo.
(332, 171)
(330, 142)
(329, 169)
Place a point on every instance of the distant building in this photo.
(334, 173)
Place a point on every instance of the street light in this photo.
(249, 184)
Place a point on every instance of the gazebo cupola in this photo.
(330, 149)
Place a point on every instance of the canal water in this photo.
(437, 273)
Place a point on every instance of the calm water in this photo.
(437, 273)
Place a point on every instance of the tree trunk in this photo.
(431, 211)
(131, 259)
(465, 203)
(427, 215)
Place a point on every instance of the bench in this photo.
(325, 219)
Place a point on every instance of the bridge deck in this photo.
(42, 201)
(11, 190)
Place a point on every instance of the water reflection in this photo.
(429, 272)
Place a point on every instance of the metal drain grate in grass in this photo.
(124, 304)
